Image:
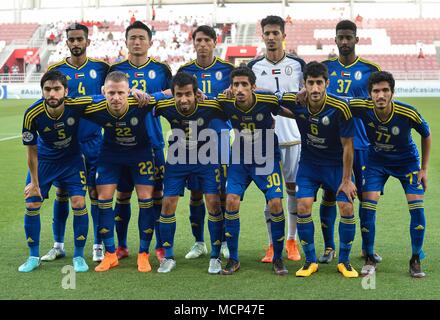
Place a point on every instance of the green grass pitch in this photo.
(190, 279)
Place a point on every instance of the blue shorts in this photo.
(176, 175)
(377, 176)
(126, 184)
(241, 175)
(311, 177)
(221, 173)
(90, 149)
(69, 175)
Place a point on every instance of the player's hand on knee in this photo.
(422, 177)
(349, 188)
(31, 190)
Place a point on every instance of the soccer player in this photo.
(212, 75)
(126, 149)
(189, 117)
(148, 75)
(85, 76)
(392, 152)
(251, 117)
(281, 72)
(50, 128)
(326, 127)
(348, 74)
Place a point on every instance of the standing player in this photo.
(189, 117)
(148, 75)
(326, 127)
(251, 118)
(281, 72)
(212, 75)
(85, 76)
(50, 133)
(392, 152)
(348, 77)
(126, 149)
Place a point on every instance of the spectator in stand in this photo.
(289, 20)
(332, 54)
(6, 69)
(421, 54)
(132, 19)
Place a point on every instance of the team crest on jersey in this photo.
(219, 75)
(259, 117)
(134, 121)
(93, 74)
(395, 130)
(152, 74)
(358, 75)
(288, 70)
(70, 121)
(200, 122)
(325, 121)
(28, 136)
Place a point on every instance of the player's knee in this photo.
(345, 208)
(157, 194)
(213, 204)
(275, 205)
(93, 194)
(303, 207)
(33, 205)
(169, 205)
(123, 195)
(232, 202)
(77, 202)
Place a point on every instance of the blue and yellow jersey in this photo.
(125, 137)
(56, 138)
(254, 122)
(391, 143)
(321, 132)
(85, 80)
(190, 124)
(352, 81)
(212, 80)
(151, 77)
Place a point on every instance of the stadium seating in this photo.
(17, 31)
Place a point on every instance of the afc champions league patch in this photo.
(259, 117)
(219, 75)
(93, 74)
(134, 121)
(70, 121)
(288, 70)
(325, 121)
(152, 74)
(395, 130)
(28, 136)
(200, 122)
(358, 75)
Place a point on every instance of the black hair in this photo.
(182, 79)
(380, 76)
(116, 76)
(139, 25)
(346, 25)
(244, 71)
(315, 69)
(78, 26)
(53, 75)
(273, 20)
(209, 31)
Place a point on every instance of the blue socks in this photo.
(80, 230)
(417, 226)
(122, 216)
(107, 224)
(197, 218)
(146, 224)
(232, 232)
(32, 228)
(368, 225)
(167, 231)
(215, 227)
(157, 210)
(95, 219)
(347, 230)
(60, 214)
(327, 213)
(306, 233)
(277, 230)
